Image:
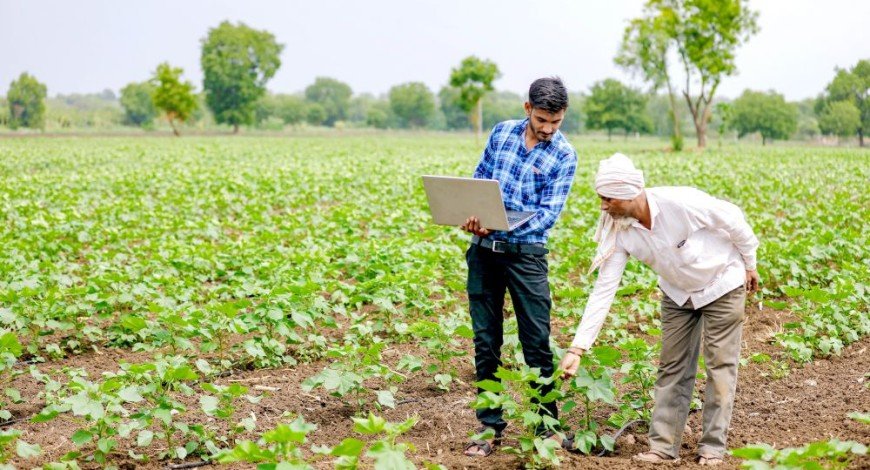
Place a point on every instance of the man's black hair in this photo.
(548, 94)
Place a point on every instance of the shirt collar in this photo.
(653, 211)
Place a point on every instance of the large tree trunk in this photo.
(174, 129)
(235, 128)
(701, 129)
(860, 137)
(696, 120)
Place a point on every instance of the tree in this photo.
(474, 79)
(704, 34)
(412, 103)
(172, 96)
(26, 101)
(290, 109)
(765, 113)
(138, 106)
(574, 118)
(358, 108)
(725, 111)
(840, 118)
(808, 124)
(501, 106)
(92, 110)
(237, 61)
(380, 115)
(315, 114)
(454, 116)
(4, 112)
(851, 85)
(612, 105)
(332, 96)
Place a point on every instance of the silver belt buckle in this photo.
(495, 244)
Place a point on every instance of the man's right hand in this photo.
(472, 225)
(570, 362)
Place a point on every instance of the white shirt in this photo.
(700, 246)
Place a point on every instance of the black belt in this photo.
(498, 246)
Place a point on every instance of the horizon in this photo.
(124, 43)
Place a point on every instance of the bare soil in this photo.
(809, 404)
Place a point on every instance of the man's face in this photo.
(616, 207)
(544, 123)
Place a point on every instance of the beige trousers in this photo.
(720, 323)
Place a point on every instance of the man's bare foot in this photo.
(710, 461)
(654, 457)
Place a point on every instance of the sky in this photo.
(84, 46)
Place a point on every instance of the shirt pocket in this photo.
(539, 181)
(687, 251)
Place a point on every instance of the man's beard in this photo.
(623, 222)
(540, 135)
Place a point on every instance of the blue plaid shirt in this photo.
(538, 180)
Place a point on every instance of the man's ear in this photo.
(528, 108)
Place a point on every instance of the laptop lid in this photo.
(452, 200)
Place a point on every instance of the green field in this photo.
(199, 263)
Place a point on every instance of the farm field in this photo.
(264, 300)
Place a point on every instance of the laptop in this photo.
(452, 200)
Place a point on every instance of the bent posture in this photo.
(704, 253)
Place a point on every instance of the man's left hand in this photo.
(751, 281)
(472, 224)
(570, 362)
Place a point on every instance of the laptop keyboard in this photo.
(514, 218)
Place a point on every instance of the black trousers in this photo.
(525, 277)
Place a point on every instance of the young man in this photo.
(704, 252)
(534, 165)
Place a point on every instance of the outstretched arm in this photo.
(597, 307)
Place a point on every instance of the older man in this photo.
(704, 253)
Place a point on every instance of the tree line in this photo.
(238, 62)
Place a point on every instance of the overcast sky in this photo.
(84, 46)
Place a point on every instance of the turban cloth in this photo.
(617, 178)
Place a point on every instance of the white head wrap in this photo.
(617, 178)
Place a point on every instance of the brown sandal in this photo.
(486, 446)
(482, 445)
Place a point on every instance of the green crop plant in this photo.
(346, 376)
(277, 449)
(386, 452)
(588, 390)
(10, 351)
(527, 412)
(440, 340)
(639, 373)
(832, 454)
(156, 384)
(22, 449)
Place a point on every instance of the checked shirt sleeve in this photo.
(487, 160)
(552, 201)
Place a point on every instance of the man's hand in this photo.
(472, 224)
(570, 362)
(751, 281)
